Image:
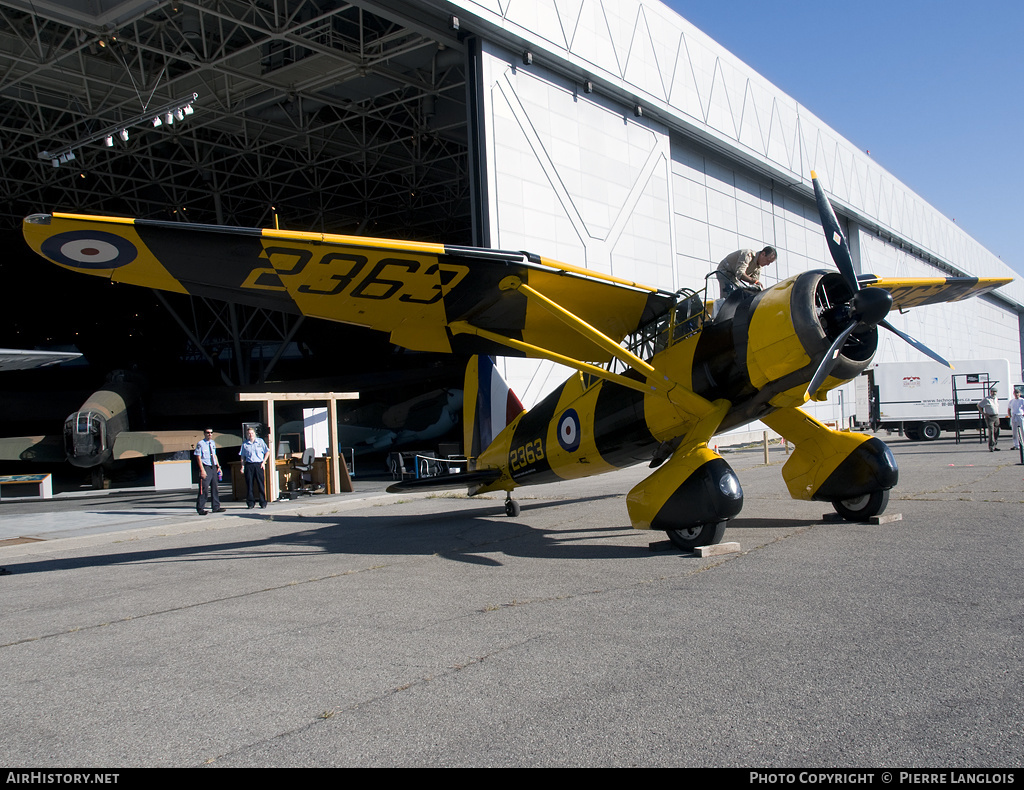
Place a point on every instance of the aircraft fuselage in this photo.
(757, 354)
(89, 432)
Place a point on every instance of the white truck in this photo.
(922, 399)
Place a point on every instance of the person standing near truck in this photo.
(1015, 411)
(989, 408)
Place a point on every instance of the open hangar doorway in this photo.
(314, 115)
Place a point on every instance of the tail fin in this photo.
(488, 405)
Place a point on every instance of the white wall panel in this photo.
(575, 178)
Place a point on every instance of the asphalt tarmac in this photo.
(396, 630)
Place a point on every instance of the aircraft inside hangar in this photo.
(329, 117)
(376, 119)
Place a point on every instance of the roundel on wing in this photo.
(569, 430)
(89, 249)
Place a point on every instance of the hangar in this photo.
(610, 134)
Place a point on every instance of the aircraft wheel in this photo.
(511, 508)
(861, 508)
(930, 431)
(701, 535)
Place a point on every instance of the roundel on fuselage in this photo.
(569, 430)
(89, 249)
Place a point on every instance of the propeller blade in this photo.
(837, 244)
(829, 361)
(916, 344)
(869, 309)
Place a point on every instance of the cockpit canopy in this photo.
(84, 434)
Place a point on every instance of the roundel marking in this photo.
(569, 430)
(89, 249)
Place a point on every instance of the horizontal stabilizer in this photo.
(446, 482)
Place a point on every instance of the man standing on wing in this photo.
(742, 269)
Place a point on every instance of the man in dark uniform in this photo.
(209, 467)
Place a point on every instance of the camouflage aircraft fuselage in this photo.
(89, 433)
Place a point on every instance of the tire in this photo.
(863, 507)
(511, 508)
(930, 431)
(700, 535)
(912, 433)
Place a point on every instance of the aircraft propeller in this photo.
(868, 306)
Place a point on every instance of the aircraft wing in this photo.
(45, 449)
(139, 444)
(428, 297)
(17, 359)
(916, 291)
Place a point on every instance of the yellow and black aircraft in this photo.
(657, 376)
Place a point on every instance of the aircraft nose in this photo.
(871, 305)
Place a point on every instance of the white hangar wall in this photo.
(571, 177)
(579, 178)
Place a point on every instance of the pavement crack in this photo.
(329, 714)
(196, 605)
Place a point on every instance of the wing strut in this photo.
(703, 410)
(575, 322)
(657, 383)
(466, 328)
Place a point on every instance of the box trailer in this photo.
(923, 399)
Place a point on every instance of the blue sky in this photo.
(933, 89)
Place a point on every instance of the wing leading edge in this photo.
(909, 292)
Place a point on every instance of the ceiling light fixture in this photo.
(168, 112)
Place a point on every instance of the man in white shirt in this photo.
(1015, 411)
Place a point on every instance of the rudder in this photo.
(488, 405)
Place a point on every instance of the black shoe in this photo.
(250, 507)
(220, 510)
(263, 505)
(995, 449)
(201, 512)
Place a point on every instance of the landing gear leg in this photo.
(511, 506)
